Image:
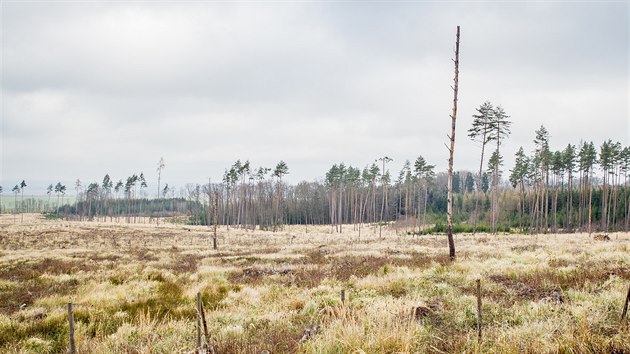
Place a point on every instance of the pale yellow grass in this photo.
(135, 285)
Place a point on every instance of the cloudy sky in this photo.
(90, 88)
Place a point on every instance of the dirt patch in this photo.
(288, 275)
(360, 267)
(144, 255)
(312, 269)
(21, 271)
(184, 263)
(529, 291)
(546, 283)
(28, 291)
(526, 248)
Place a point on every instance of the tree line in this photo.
(581, 187)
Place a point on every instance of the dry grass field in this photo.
(134, 290)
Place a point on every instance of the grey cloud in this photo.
(95, 88)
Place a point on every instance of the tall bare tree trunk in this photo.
(604, 205)
(568, 223)
(625, 198)
(582, 202)
(555, 204)
(340, 218)
(590, 203)
(533, 219)
(424, 212)
(476, 214)
(546, 198)
(216, 208)
(616, 182)
(449, 199)
(416, 209)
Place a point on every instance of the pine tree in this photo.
(424, 173)
(58, 189)
(517, 179)
(541, 159)
(587, 158)
(280, 170)
(16, 191)
(481, 132)
(107, 190)
(494, 164)
(557, 169)
(49, 191)
(469, 183)
(500, 130)
(78, 187)
(22, 186)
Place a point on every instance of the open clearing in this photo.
(134, 289)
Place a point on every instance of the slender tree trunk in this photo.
(522, 206)
(22, 206)
(383, 200)
(604, 201)
(590, 202)
(340, 220)
(216, 208)
(580, 224)
(492, 220)
(614, 202)
(555, 204)
(546, 198)
(424, 212)
(449, 199)
(535, 219)
(495, 202)
(333, 223)
(407, 205)
(479, 180)
(569, 208)
(625, 203)
(543, 202)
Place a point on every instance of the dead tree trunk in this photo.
(73, 349)
(216, 208)
(449, 199)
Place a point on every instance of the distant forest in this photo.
(579, 188)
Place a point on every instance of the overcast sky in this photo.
(94, 88)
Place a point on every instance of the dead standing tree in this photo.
(449, 198)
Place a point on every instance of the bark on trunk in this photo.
(449, 214)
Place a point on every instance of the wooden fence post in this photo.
(202, 312)
(625, 305)
(73, 348)
(198, 350)
(479, 310)
(343, 296)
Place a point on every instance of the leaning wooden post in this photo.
(203, 319)
(73, 348)
(479, 310)
(198, 324)
(625, 305)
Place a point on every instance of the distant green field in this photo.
(40, 202)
